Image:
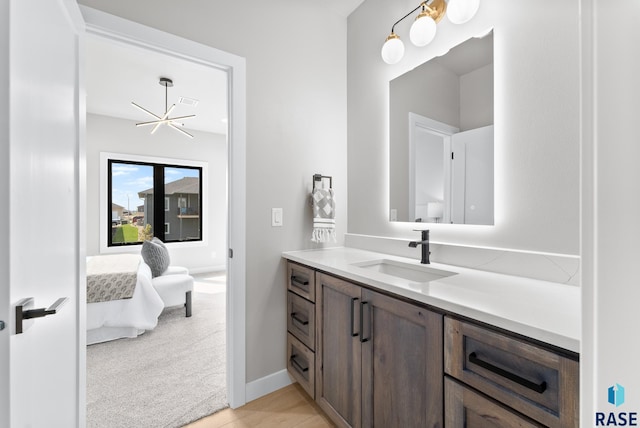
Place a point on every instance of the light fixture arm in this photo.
(166, 82)
(424, 5)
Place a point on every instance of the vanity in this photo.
(381, 340)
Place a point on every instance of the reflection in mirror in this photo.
(441, 138)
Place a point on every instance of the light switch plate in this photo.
(276, 217)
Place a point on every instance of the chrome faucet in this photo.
(425, 246)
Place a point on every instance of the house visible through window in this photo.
(142, 195)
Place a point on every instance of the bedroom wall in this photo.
(296, 126)
(537, 152)
(108, 134)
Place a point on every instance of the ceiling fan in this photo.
(165, 119)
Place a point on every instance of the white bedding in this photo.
(117, 319)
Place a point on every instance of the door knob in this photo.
(1, 325)
(24, 311)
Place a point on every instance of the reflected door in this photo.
(472, 177)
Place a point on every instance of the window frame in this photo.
(107, 159)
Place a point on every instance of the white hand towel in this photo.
(324, 213)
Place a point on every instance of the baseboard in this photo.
(267, 385)
(207, 269)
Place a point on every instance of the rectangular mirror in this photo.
(441, 138)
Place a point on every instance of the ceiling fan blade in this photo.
(145, 110)
(181, 130)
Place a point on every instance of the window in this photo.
(141, 195)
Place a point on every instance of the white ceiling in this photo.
(342, 7)
(118, 74)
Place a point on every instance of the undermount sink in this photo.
(411, 272)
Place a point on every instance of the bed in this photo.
(122, 317)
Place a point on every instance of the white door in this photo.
(472, 177)
(41, 370)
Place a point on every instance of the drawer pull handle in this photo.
(295, 317)
(353, 301)
(300, 283)
(362, 338)
(299, 366)
(537, 387)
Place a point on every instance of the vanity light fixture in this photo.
(165, 119)
(423, 29)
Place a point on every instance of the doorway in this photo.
(138, 37)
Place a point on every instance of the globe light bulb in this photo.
(393, 49)
(461, 11)
(423, 30)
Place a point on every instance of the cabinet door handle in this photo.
(299, 366)
(300, 283)
(353, 301)
(537, 387)
(295, 317)
(362, 338)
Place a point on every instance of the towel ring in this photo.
(319, 177)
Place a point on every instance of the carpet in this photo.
(167, 377)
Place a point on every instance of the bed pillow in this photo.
(155, 254)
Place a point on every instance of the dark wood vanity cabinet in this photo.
(301, 327)
(379, 359)
(339, 352)
(493, 377)
(401, 363)
(374, 360)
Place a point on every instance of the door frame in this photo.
(101, 24)
(438, 129)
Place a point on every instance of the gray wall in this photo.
(536, 67)
(296, 126)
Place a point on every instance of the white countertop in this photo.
(542, 310)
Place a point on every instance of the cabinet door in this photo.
(402, 376)
(465, 408)
(338, 350)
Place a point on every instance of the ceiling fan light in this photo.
(393, 49)
(461, 11)
(423, 30)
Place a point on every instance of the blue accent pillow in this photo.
(155, 254)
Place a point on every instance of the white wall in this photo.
(108, 134)
(536, 69)
(296, 126)
(611, 192)
(476, 98)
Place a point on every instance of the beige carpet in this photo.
(167, 377)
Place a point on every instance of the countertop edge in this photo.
(545, 335)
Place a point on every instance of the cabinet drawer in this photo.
(301, 364)
(532, 380)
(301, 280)
(465, 408)
(301, 319)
